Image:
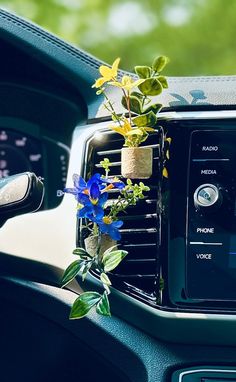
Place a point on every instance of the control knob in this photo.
(207, 197)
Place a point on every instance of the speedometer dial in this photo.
(19, 153)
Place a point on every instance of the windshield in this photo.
(197, 35)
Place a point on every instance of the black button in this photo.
(208, 145)
(208, 149)
(215, 172)
(205, 264)
(206, 253)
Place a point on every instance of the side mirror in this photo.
(19, 194)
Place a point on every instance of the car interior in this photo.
(53, 124)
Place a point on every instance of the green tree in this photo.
(198, 35)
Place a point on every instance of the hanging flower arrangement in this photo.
(102, 217)
(140, 118)
(102, 221)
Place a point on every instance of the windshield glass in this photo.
(198, 36)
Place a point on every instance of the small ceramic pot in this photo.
(91, 244)
(136, 162)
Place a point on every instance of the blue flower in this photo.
(109, 227)
(93, 202)
(92, 196)
(113, 183)
(80, 186)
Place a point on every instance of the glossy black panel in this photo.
(200, 240)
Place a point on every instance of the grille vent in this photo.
(137, 274)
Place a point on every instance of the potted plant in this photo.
(100, 251)
(140, 117)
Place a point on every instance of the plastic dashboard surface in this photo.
(55, 239)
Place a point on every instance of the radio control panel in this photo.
(211, 216)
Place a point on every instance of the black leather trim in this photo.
(29, 269)
(105, 337)
(78, 67)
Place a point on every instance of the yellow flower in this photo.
(124, 129)
(107, 73)
(148, 129)
(127, 130)
(135, 131)
(126, 83)
(165, 172)
(168, 140)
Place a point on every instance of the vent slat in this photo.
(118, 151)
(138, 261)
(117, 164)
(140, 245)
(127, 277)
(108, 152)
(136, 217)
(155, 146)
(138, 230)
(139, 239)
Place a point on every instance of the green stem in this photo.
(120, 206)
(127, 99)
(143, 101)
(112, 108)
(99, 248)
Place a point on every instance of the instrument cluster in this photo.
(45, 157)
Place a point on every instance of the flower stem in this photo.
(127, 99)
(112, 110)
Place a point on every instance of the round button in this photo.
(207, 195)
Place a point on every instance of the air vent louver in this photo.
(137, 274)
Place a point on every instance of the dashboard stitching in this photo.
(53, 40)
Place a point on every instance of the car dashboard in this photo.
(53, 124)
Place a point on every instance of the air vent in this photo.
(137, 274)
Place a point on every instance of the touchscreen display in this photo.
(211, 220)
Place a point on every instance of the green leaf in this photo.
(112, 259)
(144, 136)
(163, 81)
(86, 269)
(100, 91)
(110, 249)
(135, 104)
(124, 102)
(83, 304)
(143, 71)
(129, 182)
(156, 107)
(105, 279)
(138, 95)
(71, 272)
(136, 131)
(151, 87)
(161, 283)
(159, 63)
(80, 252)
(103, 306)
(145, 120)
(114, 118)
